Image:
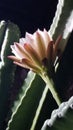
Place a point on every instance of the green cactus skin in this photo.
(2, 31)
(61, 118)
(25, 107)
(62, 21)
(10, 34)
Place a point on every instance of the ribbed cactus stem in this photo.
(61, 118)
(56, 19)
(2, 31)
(62, 22)
(8, 34)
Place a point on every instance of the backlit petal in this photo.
(40, 45)
(56, 51)
(30, 40)
(47, 38)
(21, 51)
(56, 48)
(22, 41)
(28, 65)
(31, 64)
(50, 52)
(14, 58)
(32, 54)
(14, 51)
(29, 37)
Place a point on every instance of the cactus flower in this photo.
(36, 51)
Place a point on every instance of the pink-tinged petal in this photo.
(22, 41)
(21, 51)
(31, 65)
(56, 46)
(56, 51)
(28, 36)
(50, 52)
(30, 40)
(40, 45)
(32, 53)
(14, 51)
(14, 58)
(28, 65)
(45, 36)
(21, 65)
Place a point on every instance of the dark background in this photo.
(28, 14)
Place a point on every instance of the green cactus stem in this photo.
(61, 118)
(62, 22)
(2, 31)
(10, 34)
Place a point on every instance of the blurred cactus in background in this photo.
(9, 32)
(33, 103)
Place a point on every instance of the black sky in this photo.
(28, 14)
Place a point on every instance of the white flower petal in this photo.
(14, 51)
(22, 41)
